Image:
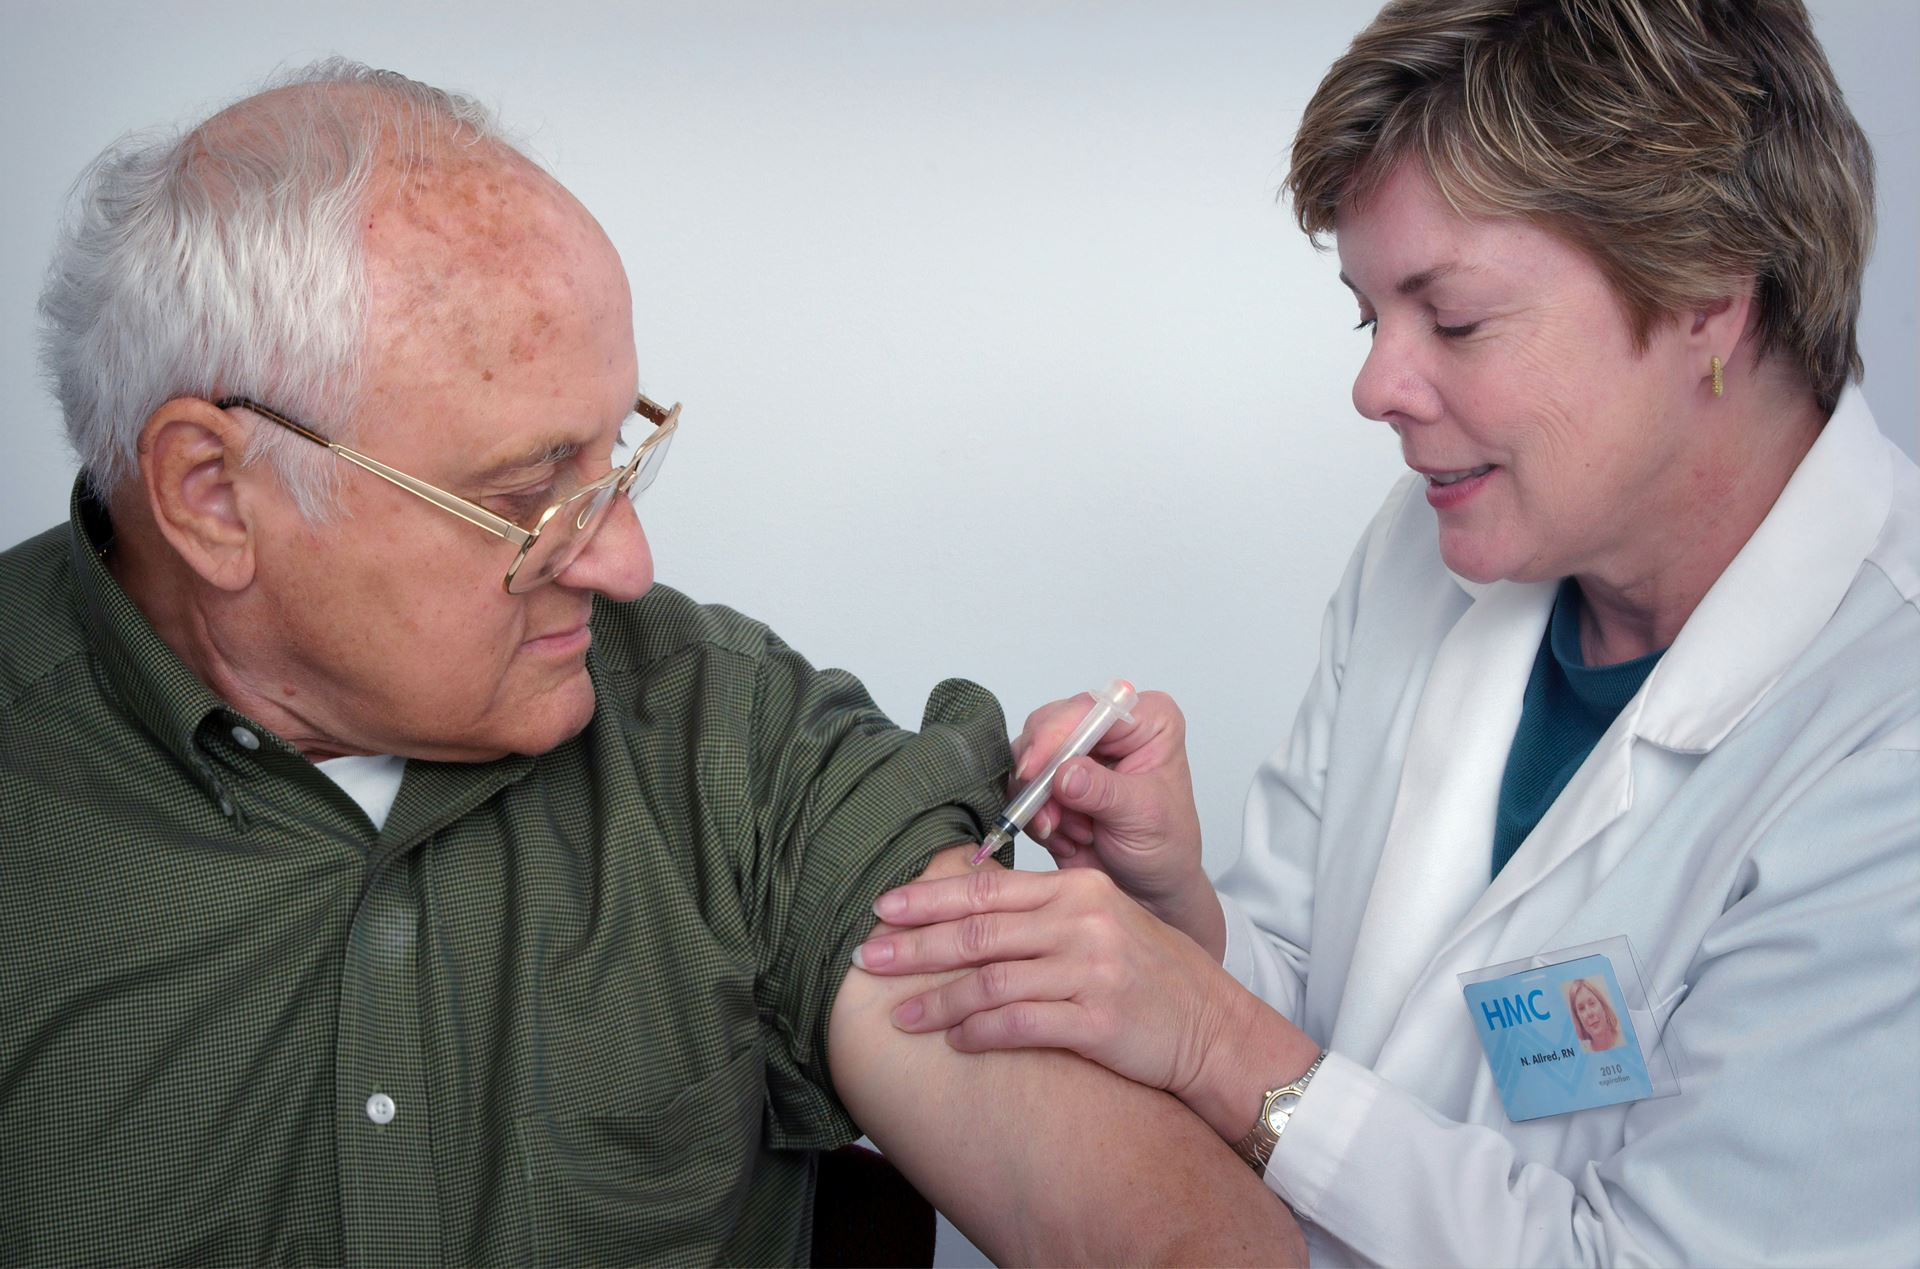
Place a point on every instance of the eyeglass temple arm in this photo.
(459, 506)
(652, 411)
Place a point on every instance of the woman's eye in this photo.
(1367, 324)
(1455, 332)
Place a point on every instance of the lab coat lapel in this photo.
(1770, 602)
(1439, 844)
(1599, 793)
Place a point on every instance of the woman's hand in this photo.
(1126, 810)
(1066, 961)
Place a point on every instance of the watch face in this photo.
(1281, 1111)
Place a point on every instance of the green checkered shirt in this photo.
(594, 983)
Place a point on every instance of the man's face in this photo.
(502, 370)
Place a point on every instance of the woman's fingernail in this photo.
(890, 905)
(873, 954)
(908, 1014)
(1075, 782)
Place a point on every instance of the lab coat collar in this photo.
(1476, 591)
(1775, 596)
(1778, 592)
(1431, 890)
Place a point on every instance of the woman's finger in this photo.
(1048, 727)
(1043, 733)
(1072, 827)
(989, 987)
(1060, 848)
(971, 940)
(948, 898)
(1021, 745)
(1025, 1024)
(1158, 732)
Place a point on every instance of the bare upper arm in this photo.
(1041, 1156)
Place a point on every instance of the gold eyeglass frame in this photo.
(664, 418)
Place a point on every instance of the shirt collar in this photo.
(153, 684)
(194, 725)
(1601, 690)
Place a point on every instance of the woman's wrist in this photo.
(1253, 1049)
(1196, 913)
(1191, 907)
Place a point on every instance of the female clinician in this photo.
(1631, 658)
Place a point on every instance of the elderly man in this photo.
(390, 873)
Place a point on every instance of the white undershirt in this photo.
(372, 780)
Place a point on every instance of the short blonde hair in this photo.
(1599, 995)
(1684, 145)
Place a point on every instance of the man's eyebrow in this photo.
(1413, 283)
(550, 453)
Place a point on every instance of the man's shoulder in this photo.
(664, 621)
(39, 620)
(630, 636)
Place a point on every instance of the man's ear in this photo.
(190, 468)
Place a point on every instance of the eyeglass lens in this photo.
(573, 526)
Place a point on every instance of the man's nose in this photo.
(617, 563)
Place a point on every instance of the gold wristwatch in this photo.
(1257, 1146)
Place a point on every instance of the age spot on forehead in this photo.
(530, 340)
(479, 261)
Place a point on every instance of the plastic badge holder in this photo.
(1528, 1014)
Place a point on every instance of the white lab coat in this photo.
(1750, 822)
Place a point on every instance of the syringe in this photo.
(1110, 705)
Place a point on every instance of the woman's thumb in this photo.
(1084, 785)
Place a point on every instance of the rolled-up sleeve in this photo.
(842, 806)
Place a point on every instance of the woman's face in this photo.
(1550, 444)
(1593, 1016)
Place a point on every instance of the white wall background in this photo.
(999, 358)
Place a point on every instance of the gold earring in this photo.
(1718, 386)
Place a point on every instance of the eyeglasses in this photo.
(561, 532)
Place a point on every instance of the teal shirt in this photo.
(1567, 708)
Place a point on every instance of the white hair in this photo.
(227, 260)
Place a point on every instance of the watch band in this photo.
(1256, 1147)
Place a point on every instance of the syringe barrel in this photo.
(1110, 705)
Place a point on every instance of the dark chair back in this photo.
(866, 1214)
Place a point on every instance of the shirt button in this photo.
(380, 1108)
(245, 739)
(226, 806)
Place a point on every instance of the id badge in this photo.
(1568, 1030)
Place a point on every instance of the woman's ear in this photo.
(1723, 329)
(190, 462)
